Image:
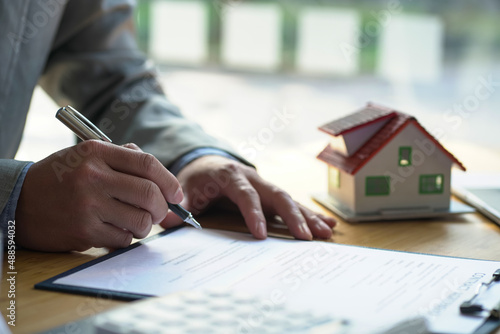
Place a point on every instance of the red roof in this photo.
(396, 124)
(369, 114)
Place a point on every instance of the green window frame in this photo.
(404, 156)
(377, 185)
(431, 184)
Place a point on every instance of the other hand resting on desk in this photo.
(211, 178)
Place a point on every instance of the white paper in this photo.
(372, 288)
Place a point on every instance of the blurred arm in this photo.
(96, 67)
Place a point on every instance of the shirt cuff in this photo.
(9, 211)
(180, 163)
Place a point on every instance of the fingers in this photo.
(253, 196)
(245, 196)
(172, 219)
(125, 217)
(330, 221)
(130, 160)
(303, 223)
(133, 146)
(137, 192)
(281, 204)
(134, 186)
(101, 195)
(317, 225)
(111, 236)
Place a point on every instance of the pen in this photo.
(86, 130)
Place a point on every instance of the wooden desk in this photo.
(468, 235)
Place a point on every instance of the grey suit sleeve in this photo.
(96, 67)
(9, 173)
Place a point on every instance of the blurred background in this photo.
(265, 74)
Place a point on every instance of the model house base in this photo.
(347, 215)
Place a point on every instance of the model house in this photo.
(382, 162)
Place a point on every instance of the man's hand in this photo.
(212, 178)
(94, 194)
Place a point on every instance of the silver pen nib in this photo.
(191, 221)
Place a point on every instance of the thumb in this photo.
(172, 219)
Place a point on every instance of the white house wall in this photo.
(345, 193)
(426, 159)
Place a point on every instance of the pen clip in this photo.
(80, 125)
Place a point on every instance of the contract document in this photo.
(372, 288)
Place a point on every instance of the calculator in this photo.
(213, 311)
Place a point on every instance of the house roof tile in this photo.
(395, 125)
(365, 116)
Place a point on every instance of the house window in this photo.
(377, 185)
(431, 184)
(334, 177)
(405, 156)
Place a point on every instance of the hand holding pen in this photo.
(94, 194)
(86, 130)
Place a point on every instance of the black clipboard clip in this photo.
(469, 307)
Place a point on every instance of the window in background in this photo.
(327, 41)
(411, 48)
(413, 41)
(251, 36)
(179, 32)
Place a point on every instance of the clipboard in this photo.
(474, 305)
(52, 284)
